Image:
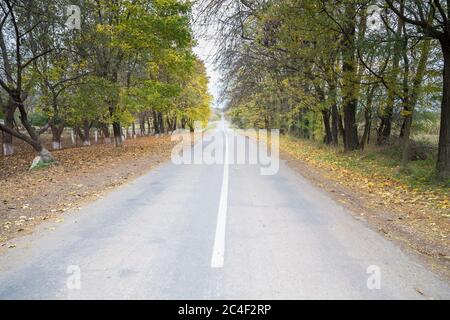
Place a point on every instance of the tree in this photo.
(56, 73)
(319, 70)
(431, 18)
(134, 30)
(18, 24)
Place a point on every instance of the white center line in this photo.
(218, 255)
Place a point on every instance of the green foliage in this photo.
(90, 101)
(153, 42)
(248, 116)
(132, 57)
(316, 70)
(38, 119)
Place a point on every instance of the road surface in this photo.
(221, 231)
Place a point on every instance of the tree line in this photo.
(351, 71)
(102, 64)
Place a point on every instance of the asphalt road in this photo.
(220, 231)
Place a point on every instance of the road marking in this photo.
(218, 255)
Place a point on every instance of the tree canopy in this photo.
(130, 61)
(347, 72)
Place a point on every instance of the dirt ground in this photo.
(81, 175)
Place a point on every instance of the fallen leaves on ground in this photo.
(80, 175)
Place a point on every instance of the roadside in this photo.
(418, 218)
(81, 175)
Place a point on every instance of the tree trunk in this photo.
(45, 155)
(8, 148)
(326, 124)
(403, 128)
(86, 133)
(174, 126)
(385, 129)
(117, 130)
(156, 122)
(105, 132)
(350, 75)
(149, 127)
(351, 130)
(78, 132)
(443, 162)
(142, 123)
(341, 128)
(190, 123)
(335, 124)
(161, 123)
(169, 123)
(56, 136)
(367, 125)
(411, 99)
(34, 140)
(367, 118)
(369, 130)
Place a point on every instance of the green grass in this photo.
(382, 161)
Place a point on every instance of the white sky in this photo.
(204, 50)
